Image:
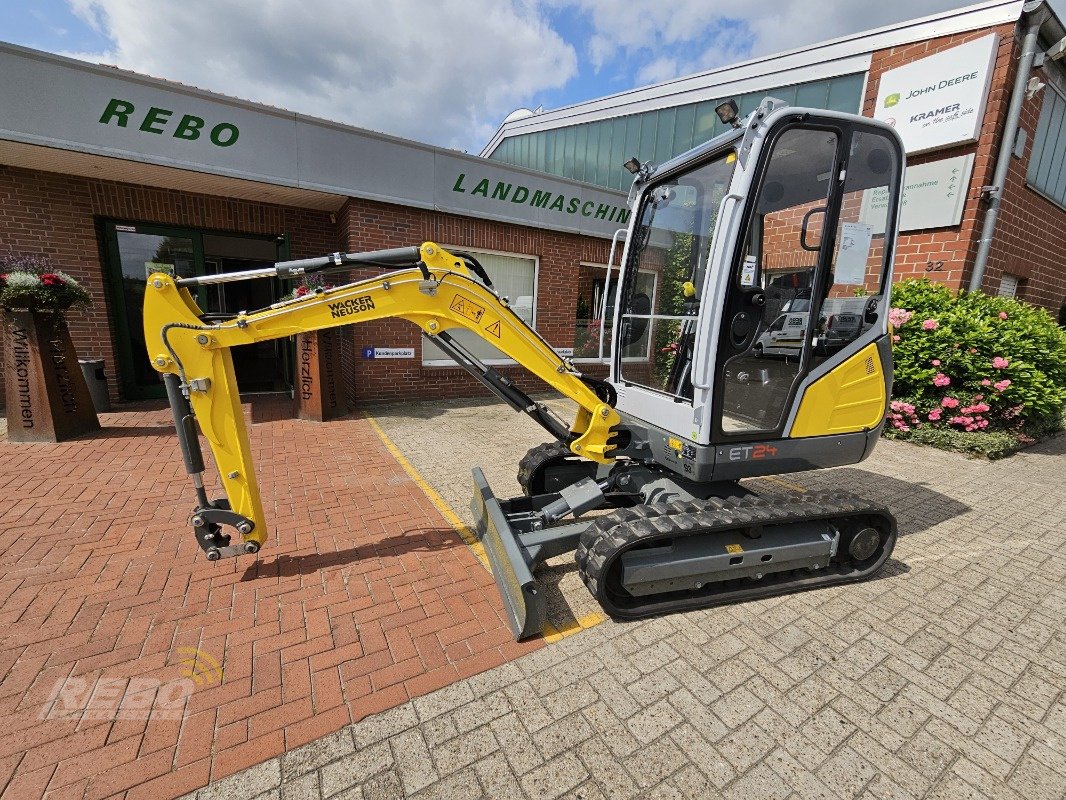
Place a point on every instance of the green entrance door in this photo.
(134, 251)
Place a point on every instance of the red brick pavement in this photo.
(362, 598)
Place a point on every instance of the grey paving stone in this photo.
(443, 700)
(563, 735)
(464, 749)
(516, 744)
(355, 768)
(460, 786)
(412, 761)
(313, 755)
(247, 784)
(940, 679)
(383, 786)
(497, 777)
(654, 721)
(555, 778)
(381, 726)
(305, 787)
(760, 782)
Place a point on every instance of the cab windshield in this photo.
(665, 276)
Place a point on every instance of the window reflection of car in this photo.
(840, 324)
(840, 330)
(784, 337)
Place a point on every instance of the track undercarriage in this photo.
(651, 558)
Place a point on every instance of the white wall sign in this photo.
(933, 196)
(939, 100)
(388, 352)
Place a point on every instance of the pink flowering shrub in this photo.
(972, 362)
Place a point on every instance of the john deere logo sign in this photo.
(162, 121)
(939, 100)
(502, 192)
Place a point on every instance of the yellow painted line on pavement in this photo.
(438, 502)
(551, 633)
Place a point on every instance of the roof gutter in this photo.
(1034, 14)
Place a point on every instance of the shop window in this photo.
(1047, 162)
(595, 298)
(513, 277)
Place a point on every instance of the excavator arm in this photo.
(436, 290)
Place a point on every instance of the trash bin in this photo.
(93, 371)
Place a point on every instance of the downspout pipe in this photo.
(1034, 15)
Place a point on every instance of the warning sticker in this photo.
(494, 329)
(734, 548)
(467, 307)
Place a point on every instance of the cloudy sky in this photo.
(440, 71)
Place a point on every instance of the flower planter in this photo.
(318, 391)
(46, 396)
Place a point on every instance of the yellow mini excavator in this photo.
(748, 336)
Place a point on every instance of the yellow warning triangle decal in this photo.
(494, 329)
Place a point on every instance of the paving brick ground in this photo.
(364, 597)
(943, 678)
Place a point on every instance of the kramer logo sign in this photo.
(500, 192)
(939, 101)
(161, 121)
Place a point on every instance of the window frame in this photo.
(1054, 84)
(614, 284)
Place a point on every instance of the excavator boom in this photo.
(438, 291)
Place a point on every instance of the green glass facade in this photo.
(593, 152)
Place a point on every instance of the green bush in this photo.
(973, 363)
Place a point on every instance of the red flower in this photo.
(51, 279)
(301, 291)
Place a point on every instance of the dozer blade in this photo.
(526, 606)
(516, 540)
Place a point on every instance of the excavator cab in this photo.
(750, 339)
(769, 261)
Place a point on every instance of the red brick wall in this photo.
(947, 254)
(56, 215)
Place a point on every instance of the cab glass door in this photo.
(766, 331)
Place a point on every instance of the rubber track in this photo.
(536, 459)
(612, 534)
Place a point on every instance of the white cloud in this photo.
(663, 39)
(443, 72)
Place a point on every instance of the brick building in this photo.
(981, 44)
(111, 173)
